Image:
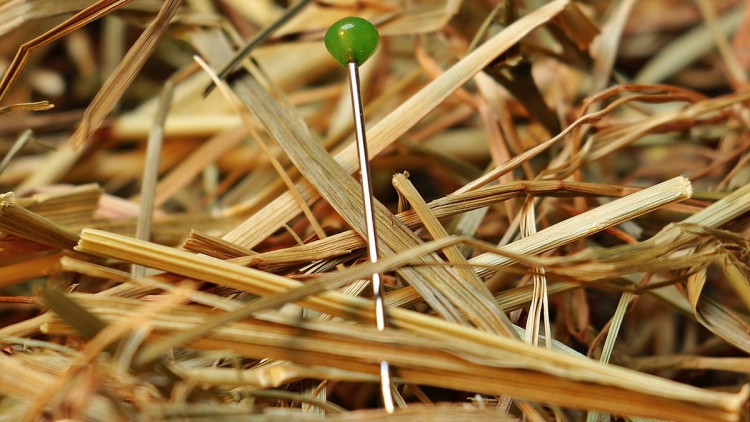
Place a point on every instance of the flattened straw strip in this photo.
(653, 363)
(84, 322)
(404, 186)
(131, 286)
(214, 246)
(485, 311)
(333, 246)
(28, 225)
(275, 375)
(721, 212)
(69, 206)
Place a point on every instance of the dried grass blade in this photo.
(86, 323)
(736, 73)
(24, 223)
(329, 407)
(18, 12)
(333, 246)
(241, 55)
(184, 172)
(519, 297)
(80, 19)
(421, 19)
(35, 106)
(730, 326)
(16, 148)
(125, 73)
(723, 211)
(28, 269)
(685, 50)
(593, 221)
(151, 170)
(609, 343)
(209, 245)
(692, 362)
(71, 207)
(737, 278)
(604, 51)
(626, 135)
(140, 287)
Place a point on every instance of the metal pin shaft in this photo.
(372, 236)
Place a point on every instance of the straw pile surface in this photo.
(563, 211)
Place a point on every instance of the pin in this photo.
(351, 41)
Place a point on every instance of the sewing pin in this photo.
(351, 41)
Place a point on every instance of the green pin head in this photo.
(352, 40)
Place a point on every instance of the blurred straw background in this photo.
(563, 210)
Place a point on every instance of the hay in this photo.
(557, 242)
